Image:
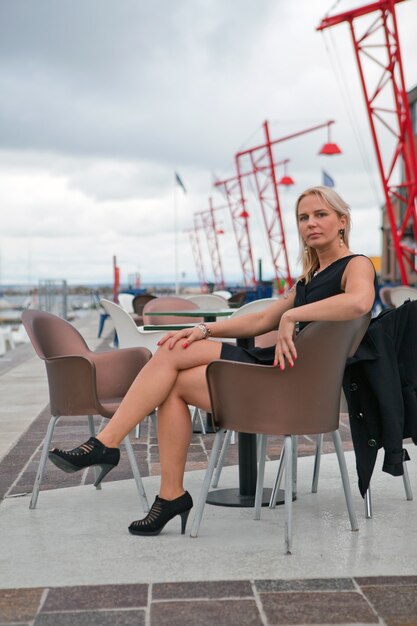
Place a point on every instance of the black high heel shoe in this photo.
(162, 511)
(89, 454)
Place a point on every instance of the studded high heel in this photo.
(162, 511)
(89, 454)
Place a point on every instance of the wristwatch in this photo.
(205, 330)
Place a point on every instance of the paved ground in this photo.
(163, 585)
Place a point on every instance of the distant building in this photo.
(389, 267)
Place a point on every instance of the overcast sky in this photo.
(101, 101)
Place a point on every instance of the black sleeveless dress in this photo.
(325, 284)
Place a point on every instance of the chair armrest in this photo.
(72, 385)
(116, 370)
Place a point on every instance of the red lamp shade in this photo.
(244, 214)
(330, 148)
(286, 180)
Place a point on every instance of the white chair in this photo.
(209, 301)
(6, 340)
(399, 295)
(130, 335)
(126, 301)
(223, 293)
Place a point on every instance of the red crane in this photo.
(198, 258)
(394, 118)
(233, 189)
(264, 170)
(211, 230)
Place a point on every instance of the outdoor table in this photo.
(244, 495)
(208, 316)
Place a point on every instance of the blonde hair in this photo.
(308, 256)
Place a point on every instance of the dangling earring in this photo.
(305, 248)
(341, 237)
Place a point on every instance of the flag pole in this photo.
(177, 287)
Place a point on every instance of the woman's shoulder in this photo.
(359, 261)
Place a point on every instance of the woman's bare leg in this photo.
(175, 428)
(153, 385)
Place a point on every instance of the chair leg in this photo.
(136, 474)
(294, 443)
(407, 485)
(197, 414)
(278, 479)
(42, 462)
(317, 459)
(206, 484)
(261, 473)
(92, 430)
(368, 503)
(222, 456)
(345, 479)
(288, 493)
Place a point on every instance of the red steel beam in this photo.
(396, 119)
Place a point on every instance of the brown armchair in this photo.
(304, 400)
(81, 382)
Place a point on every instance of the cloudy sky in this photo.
(101, 101)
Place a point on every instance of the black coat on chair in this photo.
(380, 385)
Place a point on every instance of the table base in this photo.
(233, 497)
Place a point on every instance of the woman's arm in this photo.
(358, 285)
(249, 325)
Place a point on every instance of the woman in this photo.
(335, 285)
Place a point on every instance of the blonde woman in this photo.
(335, 284)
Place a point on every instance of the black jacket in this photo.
(380, 385)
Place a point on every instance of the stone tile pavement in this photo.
(377, 600)
(390, 600)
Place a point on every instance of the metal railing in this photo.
(53, 297)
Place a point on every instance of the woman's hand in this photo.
(186, 335)
(285, 348)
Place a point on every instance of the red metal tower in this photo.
(211, 230)
(198, 258)
(233, 189)
(264, 169)
(394, 118)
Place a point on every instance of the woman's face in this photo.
(318, 224)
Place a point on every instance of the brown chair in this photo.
(303, 400)
(385, 297)
(138, 303)
(81, 382)
(237, 299)
(169, 303)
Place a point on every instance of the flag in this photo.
(327, 180)
(180, 183)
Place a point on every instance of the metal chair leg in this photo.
(317, 459)
(294, 443)
(345, 479)
(42, 462)
(136, 474)
(261, 473)
(278, 479)
(222, 456)
(288, 493)
(368, 503)
(92, 430)
(407, 485)
(206, 484)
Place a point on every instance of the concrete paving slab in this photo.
(78, 536)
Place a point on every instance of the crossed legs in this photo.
(171, 381)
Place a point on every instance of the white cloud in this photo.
(101, 101)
